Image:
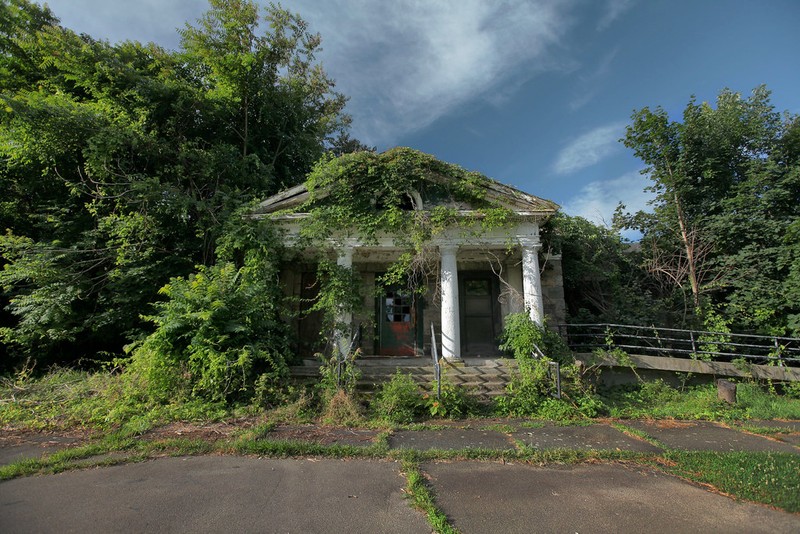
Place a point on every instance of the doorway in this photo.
(480, 313)
(399, 322)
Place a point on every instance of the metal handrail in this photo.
(354, 342)
(683, 343)
(437, 369)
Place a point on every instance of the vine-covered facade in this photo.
(427, 246)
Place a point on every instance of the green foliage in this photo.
(399, 400)
(727, 180)
(339, 372)
(454, 402)
(657, 399)
(216, 334)
(123, 163)
(522, 337)
(714, 338)
(531, 389)
(603, 280)
(66, 398)
(375, 195)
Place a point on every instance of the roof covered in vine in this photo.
(401, 178)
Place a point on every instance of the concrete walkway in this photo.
(245, 494)
(511, 435)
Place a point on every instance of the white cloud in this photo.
(406, 63)
(589, 84)
(613, 10)
(589, 148)
(597, 201)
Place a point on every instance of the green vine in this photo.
(401, 194)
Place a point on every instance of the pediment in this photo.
(434, 187)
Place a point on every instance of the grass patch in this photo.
(769, 478)
(658, 400)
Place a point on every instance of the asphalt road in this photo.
(246, 494)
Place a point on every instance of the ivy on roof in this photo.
(372, 193)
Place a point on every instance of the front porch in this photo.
(463, 294)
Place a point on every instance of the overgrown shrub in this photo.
(455, 402)
(521, 335)
(399, 400)
(217, 333)
(531, 390)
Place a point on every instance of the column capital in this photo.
(344, 256)
(448, 248)
(530, 242)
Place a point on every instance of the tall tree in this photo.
(121, 163)
(726, 188)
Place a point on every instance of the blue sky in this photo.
(534, 93)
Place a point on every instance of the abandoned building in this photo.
(471, 277)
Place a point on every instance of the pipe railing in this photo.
(673, 342)
(437, 369)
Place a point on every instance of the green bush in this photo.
(530, 392)
(521, 335)
(455, 402)
(217, 333)
(399, 400)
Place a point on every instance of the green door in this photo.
(399, 313)
(480, 312)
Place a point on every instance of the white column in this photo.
(451, 334)
(531, 279)
(344, 331)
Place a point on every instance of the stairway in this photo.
(486, 378)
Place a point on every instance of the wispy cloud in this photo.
(136, 20)
(613, 10)
(589, 148)
(590, 83)
(597, 201)
(406, 63)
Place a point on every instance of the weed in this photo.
(341, 408)
(423, 499)
(399, 400)
(454, 402)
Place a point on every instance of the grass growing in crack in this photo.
(287, 448)
(641, 434)
(763, 430)
(422, 498)
(57, 462)
(499, 427)
(769, 478)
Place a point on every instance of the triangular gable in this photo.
(497, 193)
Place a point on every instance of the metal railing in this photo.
(341, 358)
(553, 369)
(437, 369)
(676, 343)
